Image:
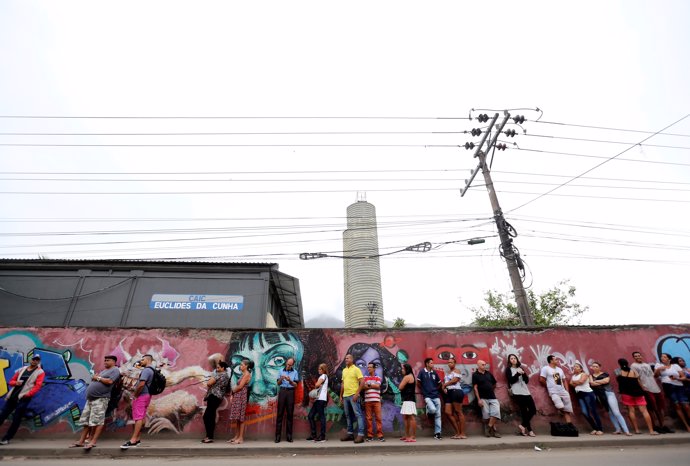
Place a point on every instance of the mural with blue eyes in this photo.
(269, 351)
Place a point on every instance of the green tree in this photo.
(555, 306)
(399, 322)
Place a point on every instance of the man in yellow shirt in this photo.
(351, 386)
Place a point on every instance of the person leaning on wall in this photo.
(25, 383)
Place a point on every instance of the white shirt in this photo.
(519, 387)
(323, 389)
(665, 375)
(585, 388)
(646, 376)
(555, 379)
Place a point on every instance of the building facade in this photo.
(147, 294)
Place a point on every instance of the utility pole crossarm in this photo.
(509, 252)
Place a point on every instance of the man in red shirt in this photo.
(372, 403)
(25, 383)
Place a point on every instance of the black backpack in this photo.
(562, 429)
(115, 396)
(157, 384)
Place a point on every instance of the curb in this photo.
(31, 449)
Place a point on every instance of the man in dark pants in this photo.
(287, 381)
(25, 383)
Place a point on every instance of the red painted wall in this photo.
(71, 353)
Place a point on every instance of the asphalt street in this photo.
(663, 455)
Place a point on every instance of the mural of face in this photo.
(466, 357)
(269, 351)
(386, 366)
(370, 356)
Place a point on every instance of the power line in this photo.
(230, 145)
(600, 164)
(259, 133)
(584, 196)
(609, 128)
(599, 156)
(604, 141)
(200, 117)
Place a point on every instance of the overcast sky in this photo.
(197, 188)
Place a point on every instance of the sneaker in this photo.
(369, 439)
(437, 436)
(311, 438)
(129, 444)
(347, 438)
(4, 442)
(320, 439)
(381, 439)
(667, 430)
(359, 439)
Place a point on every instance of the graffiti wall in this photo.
(70, 356)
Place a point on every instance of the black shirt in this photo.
(485, 384)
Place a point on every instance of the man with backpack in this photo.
(141, 400)
(97, 399)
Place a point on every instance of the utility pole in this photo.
(505, 231)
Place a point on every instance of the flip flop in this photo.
(410, 440)
(207, 440)
(523, 431)
(77, 445)
(89, 446)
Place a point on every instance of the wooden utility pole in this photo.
(508, 251)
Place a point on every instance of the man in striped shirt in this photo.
(372, 403)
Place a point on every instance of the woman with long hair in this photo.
(217, 387)
(240, 397)
(409, 404)
(452, 397)
(601, 384)
(319, 406)
(517, 385)
(672, 377)
(632, 395)
(586, 398)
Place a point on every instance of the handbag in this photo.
(314, 394)
(562, 429)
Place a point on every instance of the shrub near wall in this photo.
(69, 355)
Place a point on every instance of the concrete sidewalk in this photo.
(153, 446)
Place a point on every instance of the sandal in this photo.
(89, 446)
(207, 440)
(77, 445)
(410, 440)
(523, 431)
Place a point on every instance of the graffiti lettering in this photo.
(4, 364)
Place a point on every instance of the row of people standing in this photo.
(637, 386)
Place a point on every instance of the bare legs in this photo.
(410, 426)
(645, 415)
(457, 419)
(238, 427)
(680, 407)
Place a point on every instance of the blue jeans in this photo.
(588, 405)
(18, 409)
(433, 406)
(353, 410)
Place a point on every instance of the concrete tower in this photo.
(363, 301)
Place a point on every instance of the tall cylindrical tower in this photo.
(363, 299)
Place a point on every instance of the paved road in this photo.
(669, 455)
